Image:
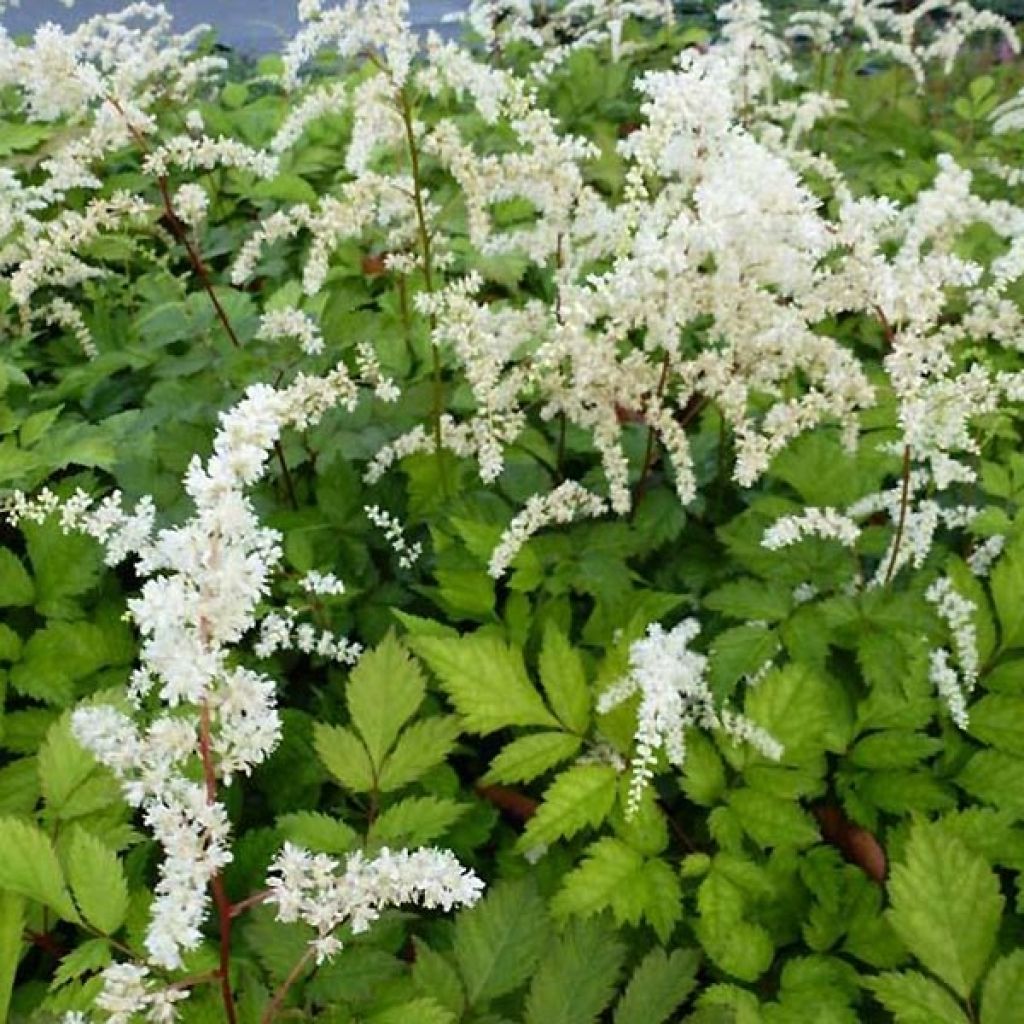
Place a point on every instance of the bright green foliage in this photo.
(29, 867)
(946, 906)
(913, 998)
(97, 882)
(1002, 994)
(486, 681)
(581, 796)
(874, 875)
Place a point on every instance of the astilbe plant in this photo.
(708, 285)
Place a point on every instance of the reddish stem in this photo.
(220, 896)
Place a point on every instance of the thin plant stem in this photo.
(195, 258)
(279, 996)
(405, 110)
(902, 521)
(641, 485)
(220, 897)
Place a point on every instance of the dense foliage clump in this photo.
(516, 530)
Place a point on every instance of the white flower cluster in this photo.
(825, 523)
(669, 678)
(325, 584)
(957, 612)
(315, 889)
(408, 554)
(568, 502)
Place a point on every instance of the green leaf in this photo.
(421, 746)
(564, 680)
(751, 599)
(486, 681)
(1007, 585)
(423, 1011)
(773, 821)
(577, 977)
(98, 882)
(344, 756)
(802, 709)
(608, 870)
(499, 941)
(64, 765)
(998, 719)
(658, 987)
(65, 566)
(996, 778)
(913, 998)
(526, 758)
(10, 643)
(581, 796)
(703, 770)
(894, 749)
(91, 956)
(12, 926)
(1002, 995)
(29, 867)
(738, 946)
(416, 820)
(616, 876)
(434, 976)
(16, 586)
(945, 906)
(383, 693)
(318, 832)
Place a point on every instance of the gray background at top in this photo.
(255, 26)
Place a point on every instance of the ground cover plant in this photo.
(515, 529)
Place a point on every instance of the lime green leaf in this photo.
(499, 941)
(658, 987)
(773, 821)
(97, 881)
(996, 778)
(1007, 584)
(577, 977)
(803, 710)
(703, 771)
(616, 876)
(29, 867)
(914, 999)
(65, 566)
(998, 719)
(1002, 995)
(64, 765)
(318, 832)
(526, 758)
(12, 926)
(421, 746)
(581, 796)
(383, 693)
(16, 586)
(894, 749)
(434, 976)
(344, 756)
(416, 820)
(486, 680)
(946, 906)
(738, 946)
(91, 956)
(564, 680)
(423, 1011)
(608, 869)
